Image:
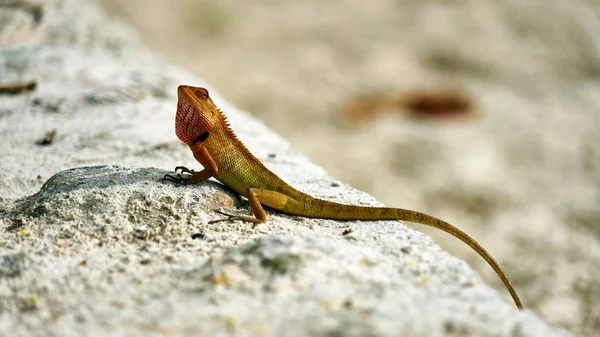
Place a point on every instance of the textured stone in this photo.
(109, 249)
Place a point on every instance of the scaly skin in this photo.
(201, 125)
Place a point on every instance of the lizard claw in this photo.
(175, 178)
(230, 216)
(184, 169)
(179, 175)
(233, 217)
(226, 213)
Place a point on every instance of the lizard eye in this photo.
(201, 93)
(201, 138)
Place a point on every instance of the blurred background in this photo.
(481, 112)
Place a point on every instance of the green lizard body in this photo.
(201, 125)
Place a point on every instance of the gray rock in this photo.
(113, 249)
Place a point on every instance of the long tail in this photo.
(337, 211)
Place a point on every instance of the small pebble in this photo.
(198, 236)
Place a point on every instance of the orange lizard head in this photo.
(196, 114)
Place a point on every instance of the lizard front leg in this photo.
(187, 176)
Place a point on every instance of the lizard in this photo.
(204, 128)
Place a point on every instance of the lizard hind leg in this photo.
(259, 217)
(256, 198)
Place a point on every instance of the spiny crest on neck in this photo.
(227, 126)
(224, 122)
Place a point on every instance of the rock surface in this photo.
(112, 249)
(519, 171)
